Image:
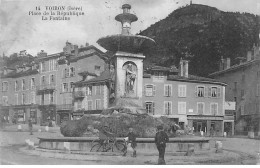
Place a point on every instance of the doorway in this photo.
(199, 126)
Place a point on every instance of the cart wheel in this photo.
(96, 148)
(120, 146)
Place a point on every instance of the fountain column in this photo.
(127, 59)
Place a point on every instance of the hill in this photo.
(203, 35)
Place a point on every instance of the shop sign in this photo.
(204, 118)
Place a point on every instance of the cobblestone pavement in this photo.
(11, 141)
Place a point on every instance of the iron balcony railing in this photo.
(79, 94)
(64, 107)
(46, 87)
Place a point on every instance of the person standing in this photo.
(131, 142)
(161, 138)
(211, 131)
(30, 126)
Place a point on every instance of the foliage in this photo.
(119, 124)
(205, 33)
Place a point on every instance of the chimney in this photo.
(249, 56)
(221, 64)
(181, 68)
(228, 63)
(186, 68)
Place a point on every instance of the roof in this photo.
(87, 73)
(236, 67)
(20, 74)
(104, 76)
(193, 78)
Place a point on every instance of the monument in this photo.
(127, 62)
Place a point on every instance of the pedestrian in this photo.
(30, 126)
(131, 142)
(161, 138)
(211, 131)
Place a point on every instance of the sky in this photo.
(21, 31)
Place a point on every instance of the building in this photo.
(42, 89)
(186, 99)
(243, 87)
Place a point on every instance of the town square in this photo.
(182, 90)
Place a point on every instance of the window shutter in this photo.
(170, 107)
(196, 91)
(170, 89)
(209, 92)
(205, 91)
(144, 93)
(165, 108)
(154, 90)
(165, 90)
(153, 107)
(218, 92)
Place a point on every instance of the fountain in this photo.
(128, 63)
(126, 110)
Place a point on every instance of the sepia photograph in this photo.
(130, 82)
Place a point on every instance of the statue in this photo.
(130, 78)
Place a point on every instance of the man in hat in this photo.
(161, 138)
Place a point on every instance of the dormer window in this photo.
(159, 75)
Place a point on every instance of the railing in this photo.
(46, 87)
(64, 107)
(79, 94)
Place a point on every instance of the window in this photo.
(43, 66)
(167, 107)
(65, 87)
(43, 80)
(181, 107)
(89, 90)
(97, 68)
(52, 97)
(149, 107)
(33, 83)
(214, 108)
(167, 90)
(90, 105)
(32, 97)
(98, 104)
(200, 108)
(214, 91)
(5, 86)
(158, 75)
(66, 73)
(5, 100)
(182, 90)
(200, 91)
(258, 90)
(42, 99)
(52, 79)
(23, 84)
(53, 65)
(72, 71)
(16, 99)
(98, 90)
(16, 86)
(23, 98)
(71, 86)
(149, 90)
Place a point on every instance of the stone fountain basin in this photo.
(144, 145)
(126, 43)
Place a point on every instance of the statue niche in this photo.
(130, 79)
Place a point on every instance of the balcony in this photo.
(64, 107)
(79, 94)
(46, 88)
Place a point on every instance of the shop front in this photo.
(63, 116)
(20, 114)
(48, 113)
(77, 115)
(33, 115)
(204, 123)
